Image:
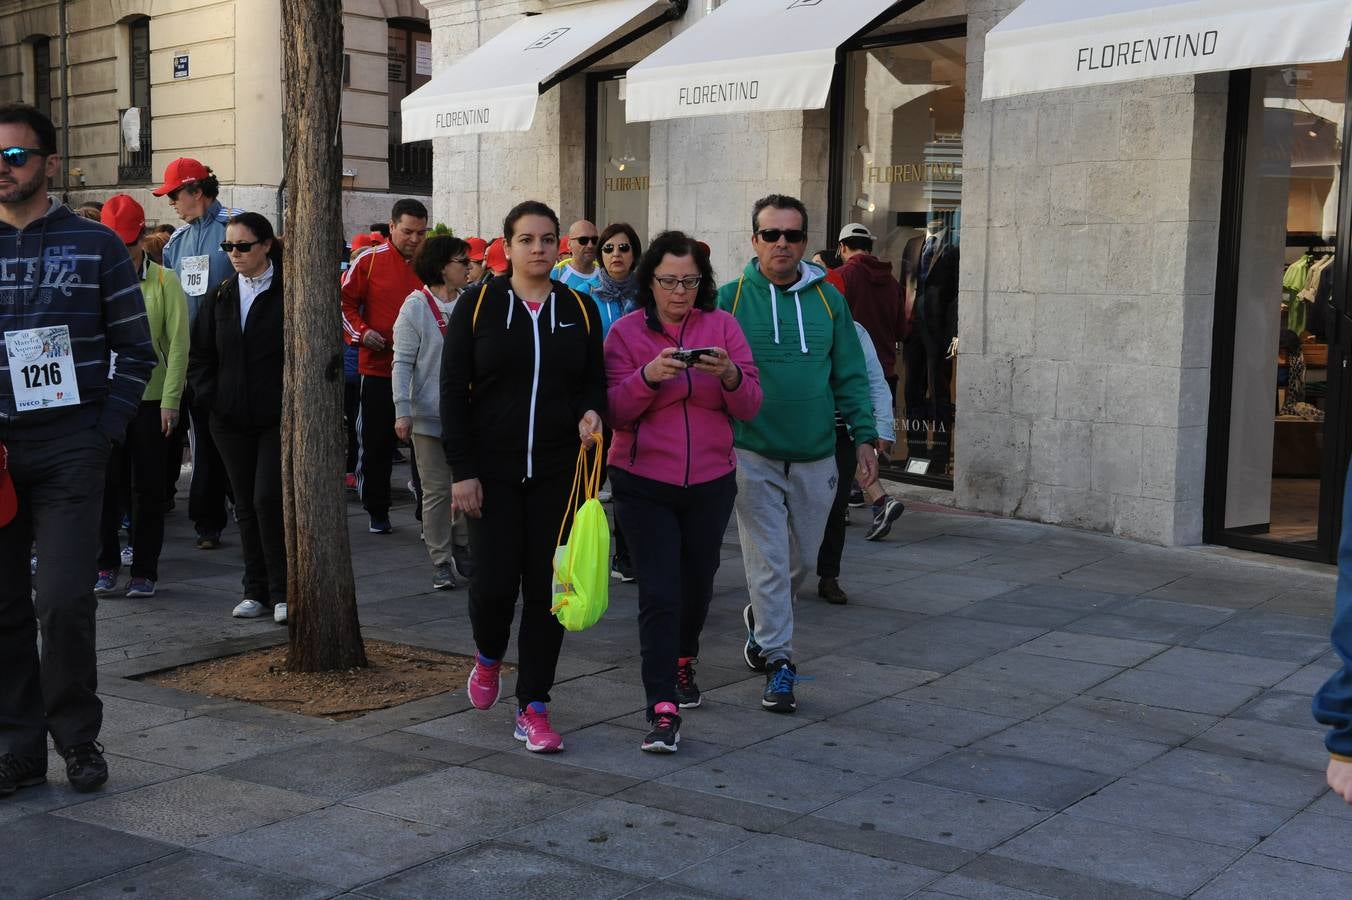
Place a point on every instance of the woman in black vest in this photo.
(235, 368)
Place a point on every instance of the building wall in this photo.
(227, 112)
(1089, 260)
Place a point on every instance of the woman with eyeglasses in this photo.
(442, 262)
(679, 372)
(235, 364)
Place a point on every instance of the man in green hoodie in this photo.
(811, 364)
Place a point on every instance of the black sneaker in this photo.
(666, 733)
(21, 772)
(779, 681)
(752, 651)
(623, 569)
(892, 509)
(85, 766)
(857, 497)
(208, 540)
(464, 565)
(687, 692)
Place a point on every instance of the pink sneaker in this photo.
(532, 726)
(485, 682)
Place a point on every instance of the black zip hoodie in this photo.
(513, 386)
(66, 270)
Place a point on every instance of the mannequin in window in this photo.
(930, 269)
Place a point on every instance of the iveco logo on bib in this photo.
(797, 3)
(548, 38)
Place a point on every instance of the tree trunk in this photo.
(321, 593)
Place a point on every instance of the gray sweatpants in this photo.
(782, 509)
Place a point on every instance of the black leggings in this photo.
(833, 540)
(513, 550)
(253, 459)
(675, 536)
(138, 463)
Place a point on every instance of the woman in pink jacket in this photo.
(672, 466)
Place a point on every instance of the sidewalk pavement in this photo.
(1004, 709)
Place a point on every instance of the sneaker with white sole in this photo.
(532, 727)
(882, 522)
(443, 577)
(279, 614)
(105, 583)
(140, 587)
(751, 652)
(666, 731)
(485, 683)
(249, 609)
(128, 556)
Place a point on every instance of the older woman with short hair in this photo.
(679, 371)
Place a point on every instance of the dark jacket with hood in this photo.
(874, 297)
(235, 372)
(63, 269)
(513, 385)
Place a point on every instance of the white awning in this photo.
(1048, 45)
(748, 56)
(495, 87)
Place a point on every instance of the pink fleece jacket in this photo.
(681, 431)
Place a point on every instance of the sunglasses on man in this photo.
(17, 157)
(772, 235)
(584, 240)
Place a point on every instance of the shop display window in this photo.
(902, 179)
(620, 168)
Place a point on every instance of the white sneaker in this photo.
(249, 609)
(127, 556)
(279, 614)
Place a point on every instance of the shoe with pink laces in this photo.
(485, 681)
(532, 726)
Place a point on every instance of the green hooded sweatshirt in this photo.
(805, 346)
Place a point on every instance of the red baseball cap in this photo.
(362, 241)
(9, 500)
(477, 247)
(564, 245)
(125, 217)
(495, 257)
(181, 171)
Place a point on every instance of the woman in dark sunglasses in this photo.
(235, 369)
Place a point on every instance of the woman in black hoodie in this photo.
(235, 368)
(530, 349)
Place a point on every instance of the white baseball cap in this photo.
(854, 229)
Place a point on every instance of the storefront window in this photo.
(1286, 303)
(620, 162)
(410, 67)
(904, 107)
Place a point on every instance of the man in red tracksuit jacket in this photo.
(375, 286)
(873, 295)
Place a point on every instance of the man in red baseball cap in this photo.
(194, 254)
(477, 247)
(495, 258)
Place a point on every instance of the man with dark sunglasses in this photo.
(194, 254)
(811, 365)
(69, 296)
(580, 272)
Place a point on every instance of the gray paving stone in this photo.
(342, 846)
(1171, 691)
(852, 749)
(733, 725)
(191, 874)
(1011, 778)
(1061, 596)
(193, 809)
(1121, 578)
(1231, 776)
(872, 841)
(973, 889)
(1315, 603)
(932, 813)
(1175, 613)
(495, 802)
(752, 776)
(1330, 804)
(1212, 665)
(861, 676)
(944, 645)
(1084, 750)
(1032, 670)
(1258, 877)
(1263, 741)
(943, 725)
(945, 551)
(1130, 720)
(121, 716)
(979, 693)
(1049, 880)
(814, 702)
(201, 743)
(330, 770)
(666, 890)
(498, 872)
(1001, 610)
(45, 853)
(638, 840)
(124, 774)
(1269, 635)
(1217, 591)
(1138, 629)
(1169, 809)
(770, 865)
(1108, 651)
(1308, 679)
(1280, 708)
(612, 748)
(1157, 862)
(1314, 839)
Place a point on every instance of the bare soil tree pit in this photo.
(396, 674)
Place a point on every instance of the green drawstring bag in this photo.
(582, 564)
